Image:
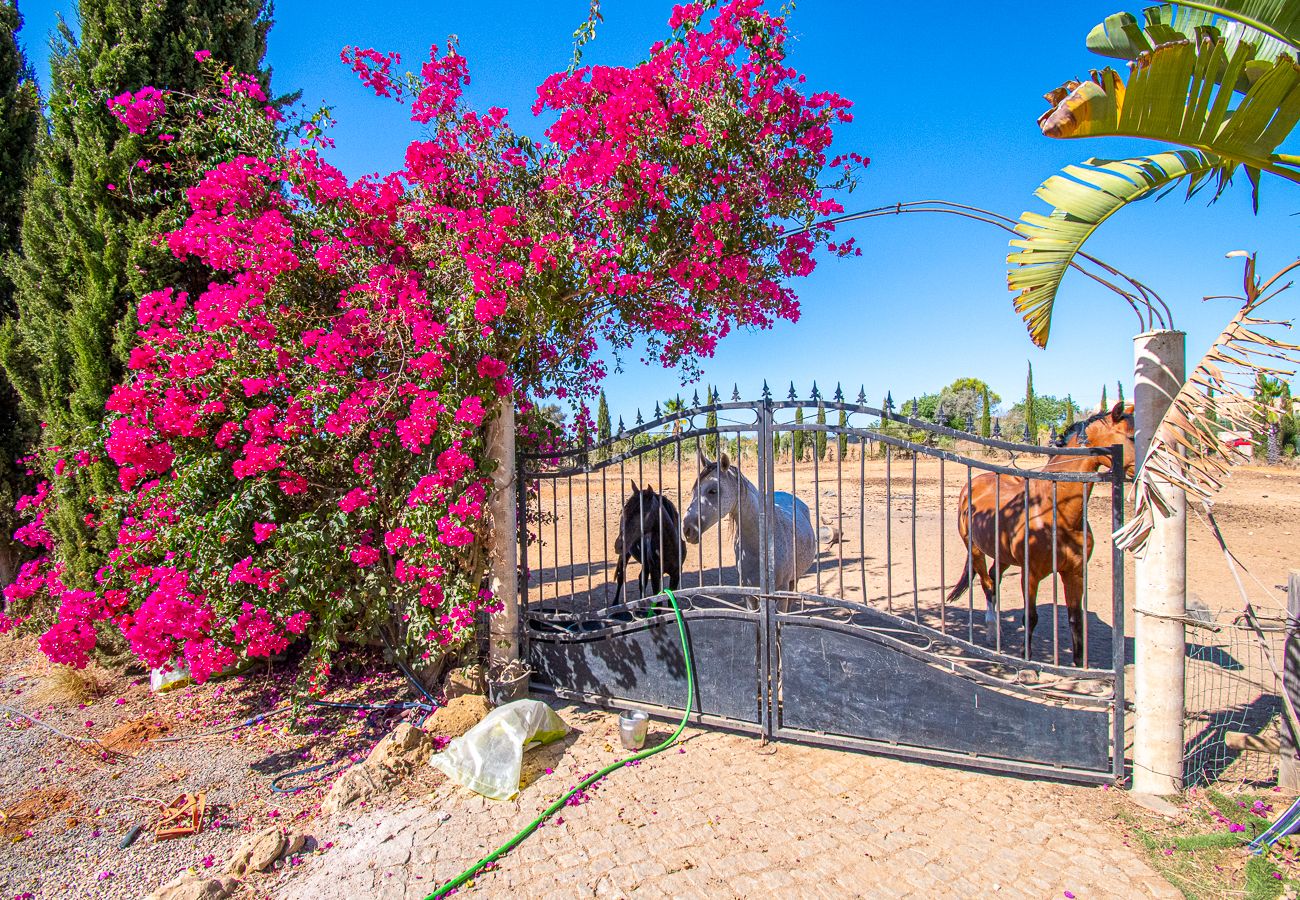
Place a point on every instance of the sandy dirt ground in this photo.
(66, 806)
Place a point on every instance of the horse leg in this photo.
(1073, 582)
(1029, 584)
(980, 563)
(620, 576)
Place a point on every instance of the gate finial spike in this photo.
(658, 412)
(970, 423)
(735, 393)
(767, 393)
(793, 395)
(716, 398)
(997, 427)
(816, 394)
(1054, 434)
(839, 393)
(938, 414)
(889, 401)
(862, 395)
(639, 420)
(621, 427)
(695, 398)
(1026, 432)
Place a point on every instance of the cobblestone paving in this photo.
(728, 817)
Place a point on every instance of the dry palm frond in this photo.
(1186, 451)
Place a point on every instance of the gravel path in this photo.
(65, 840)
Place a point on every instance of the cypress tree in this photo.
(602, 419)
(797, 437)
(1069, 410)
(89, 250)
(1119, 387)
(1104, 404)
(20, 125)
(843, 438)
(986, 415)
(711, 423)
(821, 435)
(1031, 415)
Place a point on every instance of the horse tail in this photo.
(963, 585)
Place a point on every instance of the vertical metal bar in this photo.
(943, 581)
(718, 535)
(817, 505)
(997, 561)
(1056, 580)
(1117, 608)
(568, 509)
(862, 514)
(767, 685)
(1025, 574)
(1083, 612)
(794, 495)
(916, 592)
(659, 517)
(586, 505)
(841, 444)
(681, 510)
(970, 560)
(604, 525)
(521, 525)
(640, 518)
(555, 540)
(889, 527)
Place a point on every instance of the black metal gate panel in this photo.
(866, 652)
(634, 656)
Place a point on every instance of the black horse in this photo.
(650, 532)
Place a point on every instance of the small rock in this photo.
(400, 751)
(258, 852)
(465, 680)
(459, 716)
(196, 887)
(361, 782)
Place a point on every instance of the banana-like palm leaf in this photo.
(1083, 197)
(1272, 27)
(1178, 94)
(1186, 451)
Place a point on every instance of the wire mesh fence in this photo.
(1234, 699)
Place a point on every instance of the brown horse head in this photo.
(1105, 429)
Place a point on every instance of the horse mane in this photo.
(1080, 428)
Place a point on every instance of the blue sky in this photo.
(945, 105)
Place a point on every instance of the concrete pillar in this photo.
(1288, 771)
(1160, 600)
(503, 556)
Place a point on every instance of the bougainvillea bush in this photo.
(300, 447)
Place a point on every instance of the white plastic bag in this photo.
(487, 758)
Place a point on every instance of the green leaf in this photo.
(1273, 29)
(1082, 198)
(1178, 93)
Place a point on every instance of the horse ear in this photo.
(1117, 412)
(635, 489)
(724, 462)
(700, 459)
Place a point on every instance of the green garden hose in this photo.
(555, 807)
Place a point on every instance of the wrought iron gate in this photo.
(865, 653)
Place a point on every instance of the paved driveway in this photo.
(728, 817)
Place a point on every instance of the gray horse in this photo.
(721, 490)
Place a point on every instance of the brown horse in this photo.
(994, 534)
